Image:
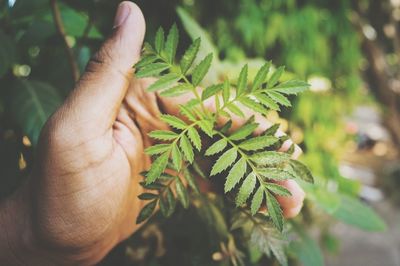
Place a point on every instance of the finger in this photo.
(101, 89)
(291, 205)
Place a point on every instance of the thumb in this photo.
(101, 89)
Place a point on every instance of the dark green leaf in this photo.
(301, 171)
(182, 193)
(171, 202)
(146, 212)
(271, 131)
(32, 103)
(147, 196)
(246, 189)
(257, 200)
(274, 211)
(224, 161)
(235, 174)
(191, 180)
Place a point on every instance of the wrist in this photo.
(15, 220)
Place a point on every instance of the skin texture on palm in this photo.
(82, 197)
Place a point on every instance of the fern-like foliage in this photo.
(250, 164)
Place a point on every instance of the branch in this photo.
(61, 31)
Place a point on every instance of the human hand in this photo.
(83, 191)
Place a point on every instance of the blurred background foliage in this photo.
(347, 50)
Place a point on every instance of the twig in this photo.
(61, 31)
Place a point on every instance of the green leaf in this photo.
(244, 131)
(353, 212)
(279, 98)
(261, 75)
(146, 60)
(307, 250)
(176, 157)
(236, 110)
(152, 186)
(189, 56)
(164, 206)
(157, 149)
(270, 158)
(271, 131)
(291, 87)
(146, 212)
(151, 70)
(163, 135)
(235, 174)
(187, 148)
(157, 168)
(278, 190)
(159, 40)
(258, 143)
(257, 200)
(211, 91)
(182, 193)
(301, 171)
(191, 180)
(253, 105)
(187, 112)
(176, 90)
(224, 161)
(147, 196)
(194, 137)
(266, 101)
(32, 103)
(274, 211)
(216, 147)
(242, 81)
(246, 189)
(171, 44)
(173, 121)
(164, 82)
(201, 70)
(275, 174)
(171, 201)
(206, 126)
(276, 76)
(269, 240)
(226, 92)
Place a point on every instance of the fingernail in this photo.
(123, 12)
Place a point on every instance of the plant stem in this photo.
(61, 31)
